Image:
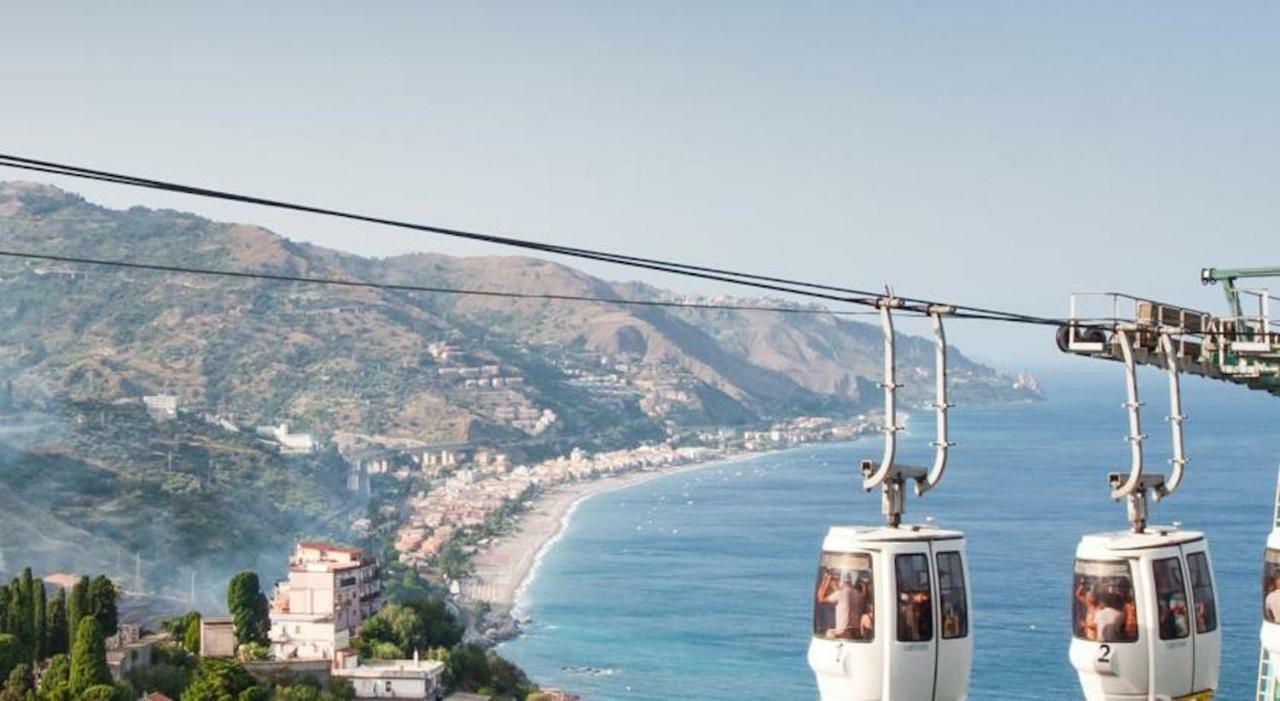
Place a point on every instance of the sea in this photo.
(697, 585)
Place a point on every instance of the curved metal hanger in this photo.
(889, 475)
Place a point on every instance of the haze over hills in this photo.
(532, 376)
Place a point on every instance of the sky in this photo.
(985, 153)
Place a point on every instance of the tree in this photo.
(102, 604)
(57, 671)
(341, 689)
(248, 606)
(191, 636)
(11, 653)
(100, 692)
(26, 627)
(56, 622)
(5, 595)
(506, 679)
(18, 684)
(218, 679)
(89, 657)
(14, 616)
(77, 609)
(40, 616)
(254, 693)
(467, 667)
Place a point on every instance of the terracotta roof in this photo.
(156, 696)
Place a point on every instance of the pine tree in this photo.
(40, 613)
(248, 608)
(89, 657)
(56, 622)
(102, 604)
(77, 609)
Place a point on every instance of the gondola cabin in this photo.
(891, 615)
(1269, 675)
(1145, 616)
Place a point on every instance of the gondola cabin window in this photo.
(1102, 602)
(1271, 585)
(915, 609)
(952, 601)
(1171, 599)
(1202, 593)
(844, 599)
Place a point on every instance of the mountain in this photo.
(328, 359)
(530, 376)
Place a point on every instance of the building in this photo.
(161, 407)
(288, 443)
(128, 649)
(217, 637)
(398, 679)
(330, 592)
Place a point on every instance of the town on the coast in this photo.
(403, 615)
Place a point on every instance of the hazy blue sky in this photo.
(992, 153)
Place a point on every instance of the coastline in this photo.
(505, 569)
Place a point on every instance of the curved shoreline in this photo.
(506, 569)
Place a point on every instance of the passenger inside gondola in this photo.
(843, 601)
(1271, 586)
(1103, 607)
(915, 607)
(1171, 599)
(1271, 604)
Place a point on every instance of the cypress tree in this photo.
(102, 604)
(40, 613)
(16, 615)
(191, 634)
(248, 607)
(56, 620)
(27, 633)
(5, 594)
(13, 611)
(89, 657)
(10, 653)
(77, 609)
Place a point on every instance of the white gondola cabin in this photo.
(1144, 613)
(1268, 673)
(891, 615)
(1145, 616)
(891, 605)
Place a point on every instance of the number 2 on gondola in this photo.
(1102, 662)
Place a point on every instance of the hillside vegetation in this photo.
(531, 377)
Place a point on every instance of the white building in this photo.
(288, 443)
(161, 407)
(330, 592)
(398, 679)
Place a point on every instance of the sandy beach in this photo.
(503, 568)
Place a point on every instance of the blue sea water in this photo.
(697, 585)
